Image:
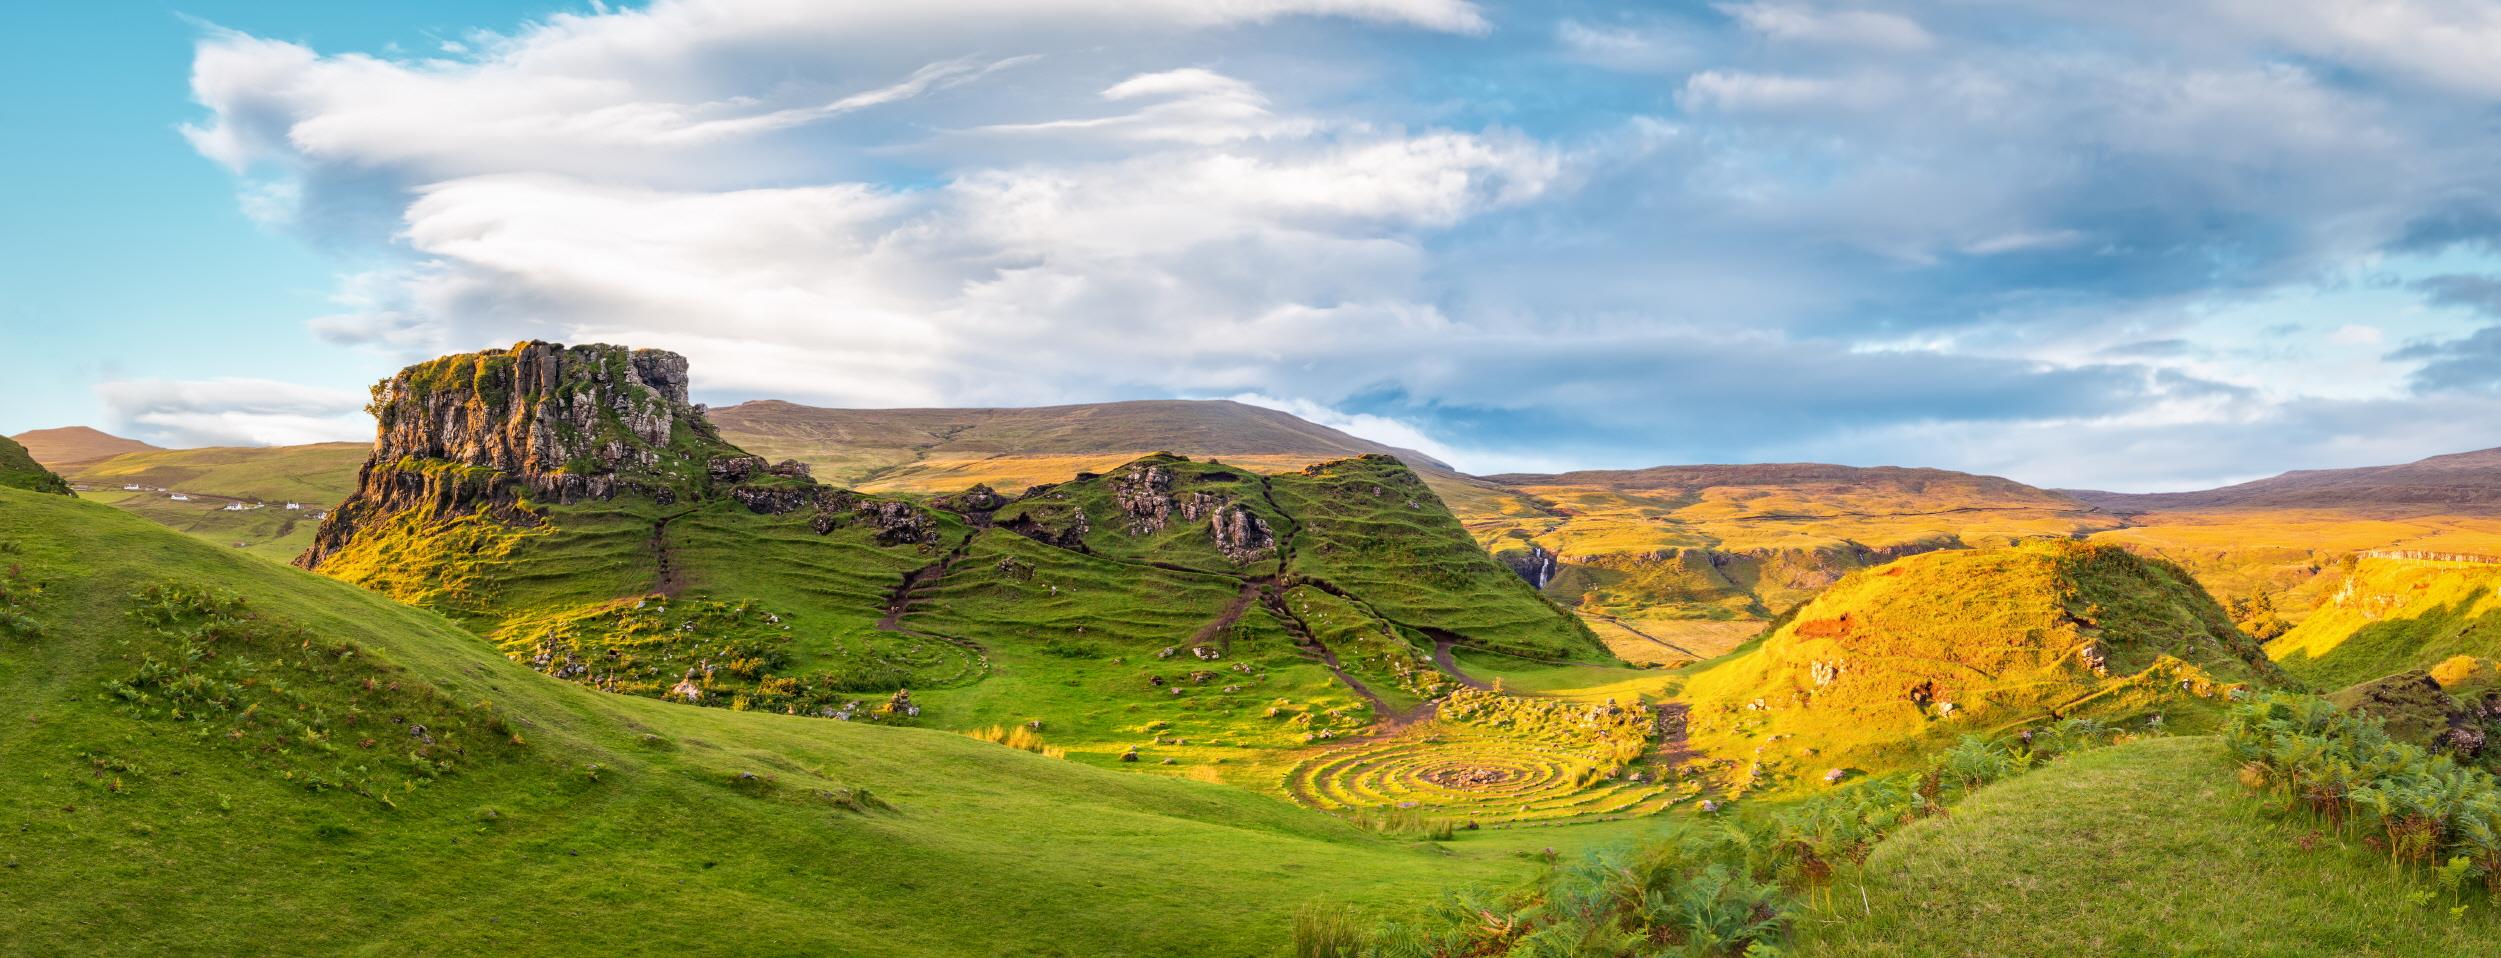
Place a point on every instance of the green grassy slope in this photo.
(2150, 848)
(2391, 615)
(1894, 659)
(1680, 563)
(1368, 527)
(126, 813)
(316, 476)
(20, 471)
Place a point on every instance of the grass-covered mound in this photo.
(1894, 659)
(1369, 527)
(2392, 615)
(570, 505)
(1680, 563)
(20, 471)
(211, 754)
(2150, 848)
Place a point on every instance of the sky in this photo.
(2083, 245)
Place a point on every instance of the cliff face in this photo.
(501, 430)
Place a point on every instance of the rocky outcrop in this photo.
(1241, 534)
(500, 430)
(506, 432)
(1144, 494)
(1536, 566)
(1065, 528)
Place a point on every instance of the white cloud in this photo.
(2021, 241)
(1629, 48)
(1196, 106)
(2447, 44)
(1864, 29)
(1739, 92)
(1859, 220)
(233, 412)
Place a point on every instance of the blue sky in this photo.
(2076, 244)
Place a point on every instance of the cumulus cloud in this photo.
(1880, 231)
(233, 412)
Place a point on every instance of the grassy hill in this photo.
(1194, 617)
(20, 471)
(1680, 563)
(2392, 615)
(215, 734)
(76, 445)
(263, 479)
(2149, 848)
(1894, 660)
(2287, 541)
(944, 450)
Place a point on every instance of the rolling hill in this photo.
(2466, 482)
(570, 506)
(1680, 563)
(258, 480)
(1892, 661)
(2148, 848)
(945, 450)
(2285, 544)
(2391, 615)
(71, 446)
(353, 773)
(20, 471)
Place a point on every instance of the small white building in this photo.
(130, 487)
(295, 507)
(179, 497)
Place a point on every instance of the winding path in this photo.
(1450, 665)
(1220, 629)
(899, 602)
(672, 580)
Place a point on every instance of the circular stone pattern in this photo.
(1477, 777)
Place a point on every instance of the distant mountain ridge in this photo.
(2466, 479)
(1982, 490)
(77, 445)
(945, 450)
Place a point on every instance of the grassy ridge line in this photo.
(18, 470)
(1894, 659)
(665, 850)
(2148, 848)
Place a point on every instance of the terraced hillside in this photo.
(352, 772)
(1681, 563)
(1895, 660)
(572, 507)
